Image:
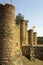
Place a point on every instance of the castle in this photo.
(14, 38)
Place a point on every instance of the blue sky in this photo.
(32, 11)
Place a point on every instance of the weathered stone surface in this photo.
(34, 38)
(38, 51)
(30, 37)
(17, 36)
(8, 37)
(33, 52)
(18, 58)
(14, 38)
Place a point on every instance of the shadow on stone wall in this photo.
(32, 53)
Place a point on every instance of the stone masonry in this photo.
(15, 40)
(10, 53)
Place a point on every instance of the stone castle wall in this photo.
(27, 40)
(38, 51)
(10, 53)
(17, 36)
(33, 52)
(26, 51)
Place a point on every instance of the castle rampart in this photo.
(14, 38)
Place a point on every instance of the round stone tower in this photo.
(7, 43)
(23, 32)
(26, 25)
(30, 34)
(35, 38)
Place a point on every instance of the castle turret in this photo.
(26, 33)
(7, 32)
(30, 37)
(34, 38)
(17, 36)
(10, 53)
(22, 33)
